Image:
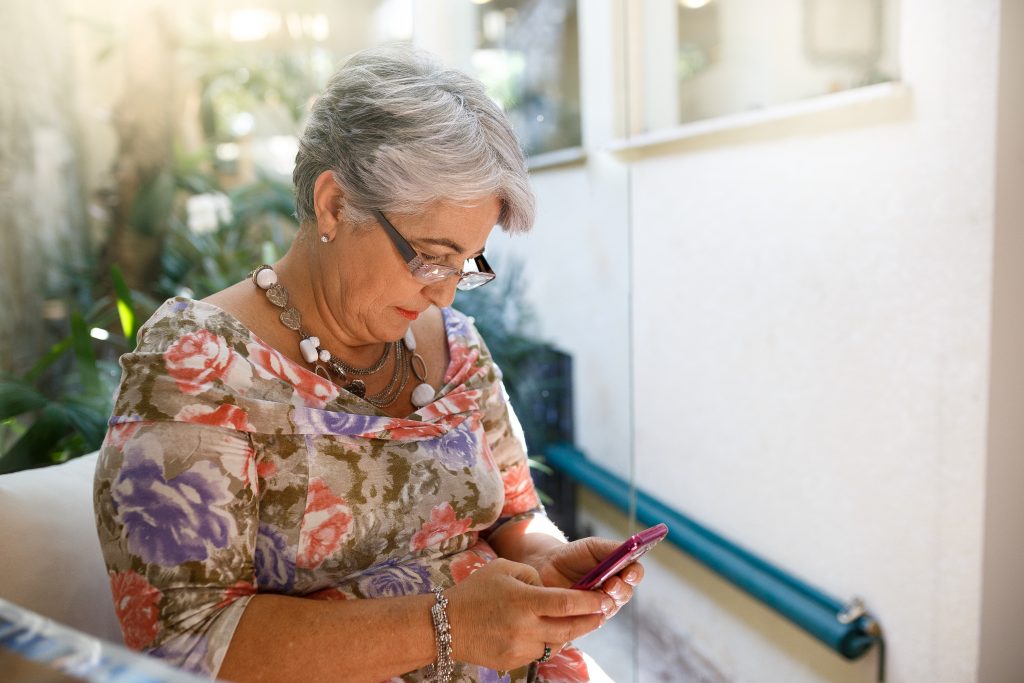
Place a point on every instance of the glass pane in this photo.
(701, 59)
(273, 58)
(527, 53)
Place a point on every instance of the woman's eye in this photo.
(433, 259)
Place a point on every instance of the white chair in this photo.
(50, 559)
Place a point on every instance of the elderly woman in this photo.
(315, 474)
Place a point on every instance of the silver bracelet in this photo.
(444, 667)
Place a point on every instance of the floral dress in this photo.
(229, 470)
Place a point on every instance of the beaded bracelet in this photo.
(444, 667)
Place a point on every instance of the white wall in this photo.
(828, 324)
(1002, 625)
(800, 356)
(811, 324)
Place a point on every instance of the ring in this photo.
(547, 654)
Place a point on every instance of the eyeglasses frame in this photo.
(414, 260)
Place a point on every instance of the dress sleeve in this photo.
(176, 511)
(507, 444)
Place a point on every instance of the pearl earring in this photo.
(325, 239)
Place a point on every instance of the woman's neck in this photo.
(299, 271)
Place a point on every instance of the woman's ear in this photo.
(328, 202)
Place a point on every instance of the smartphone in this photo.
(634, 547)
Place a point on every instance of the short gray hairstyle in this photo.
(399, 132)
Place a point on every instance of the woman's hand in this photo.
(565, 564)
(502, 616)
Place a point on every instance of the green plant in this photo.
(58, 409)
(504, 318)
(531, 368)
(260, 227)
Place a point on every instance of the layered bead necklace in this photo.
(334, 369)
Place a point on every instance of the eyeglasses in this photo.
(477, 271)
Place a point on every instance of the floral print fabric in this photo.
(229, 470)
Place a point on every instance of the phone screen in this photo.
(632, 549)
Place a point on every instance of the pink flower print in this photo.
(567, 666)
(239, 589)
(225, 415)
(465, 564)
(457, 403)
(119, 434)
(440, 528)
(313, 389)
(135, 603)
(265, 469)
(324, 525)
(462, 365)
(488, 456)
(198, 359)
(401, 430)
(520, 495)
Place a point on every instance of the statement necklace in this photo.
(334, 369)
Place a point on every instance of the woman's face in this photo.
(366, 283)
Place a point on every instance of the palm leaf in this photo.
(51, 356)
(17, 398)
(85, 357)
(89, 422)
(36, 445)
(125, 308)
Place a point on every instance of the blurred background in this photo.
(775, 283)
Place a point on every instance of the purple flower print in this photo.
(492, 676)
(315, 421)
(169, 522)
(456, 324)
(391, 580)
(275, 570)
(456, 449)
(185, 652)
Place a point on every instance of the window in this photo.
(699, 59)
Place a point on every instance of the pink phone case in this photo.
(632, 549)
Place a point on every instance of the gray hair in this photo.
(399, 133)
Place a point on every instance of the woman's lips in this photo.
(411, 315)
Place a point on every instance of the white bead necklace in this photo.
(334, 369)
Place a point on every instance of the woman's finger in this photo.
(558, 631)
(517, 570)
(633, 573)
(566, 602)
(618, 590)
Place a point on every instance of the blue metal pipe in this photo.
(804, 605)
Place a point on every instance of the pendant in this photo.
(356, 387)
(336, 368)
(419, 367)
(422, 395)
(278, 295)
(291, 319)
(308, 351)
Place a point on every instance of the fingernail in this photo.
(607, 605)
(630, 578)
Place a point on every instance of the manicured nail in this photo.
(607, 605)
(630, 578)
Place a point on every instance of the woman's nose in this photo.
(442, 294)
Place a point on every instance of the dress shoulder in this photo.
(181, 316)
